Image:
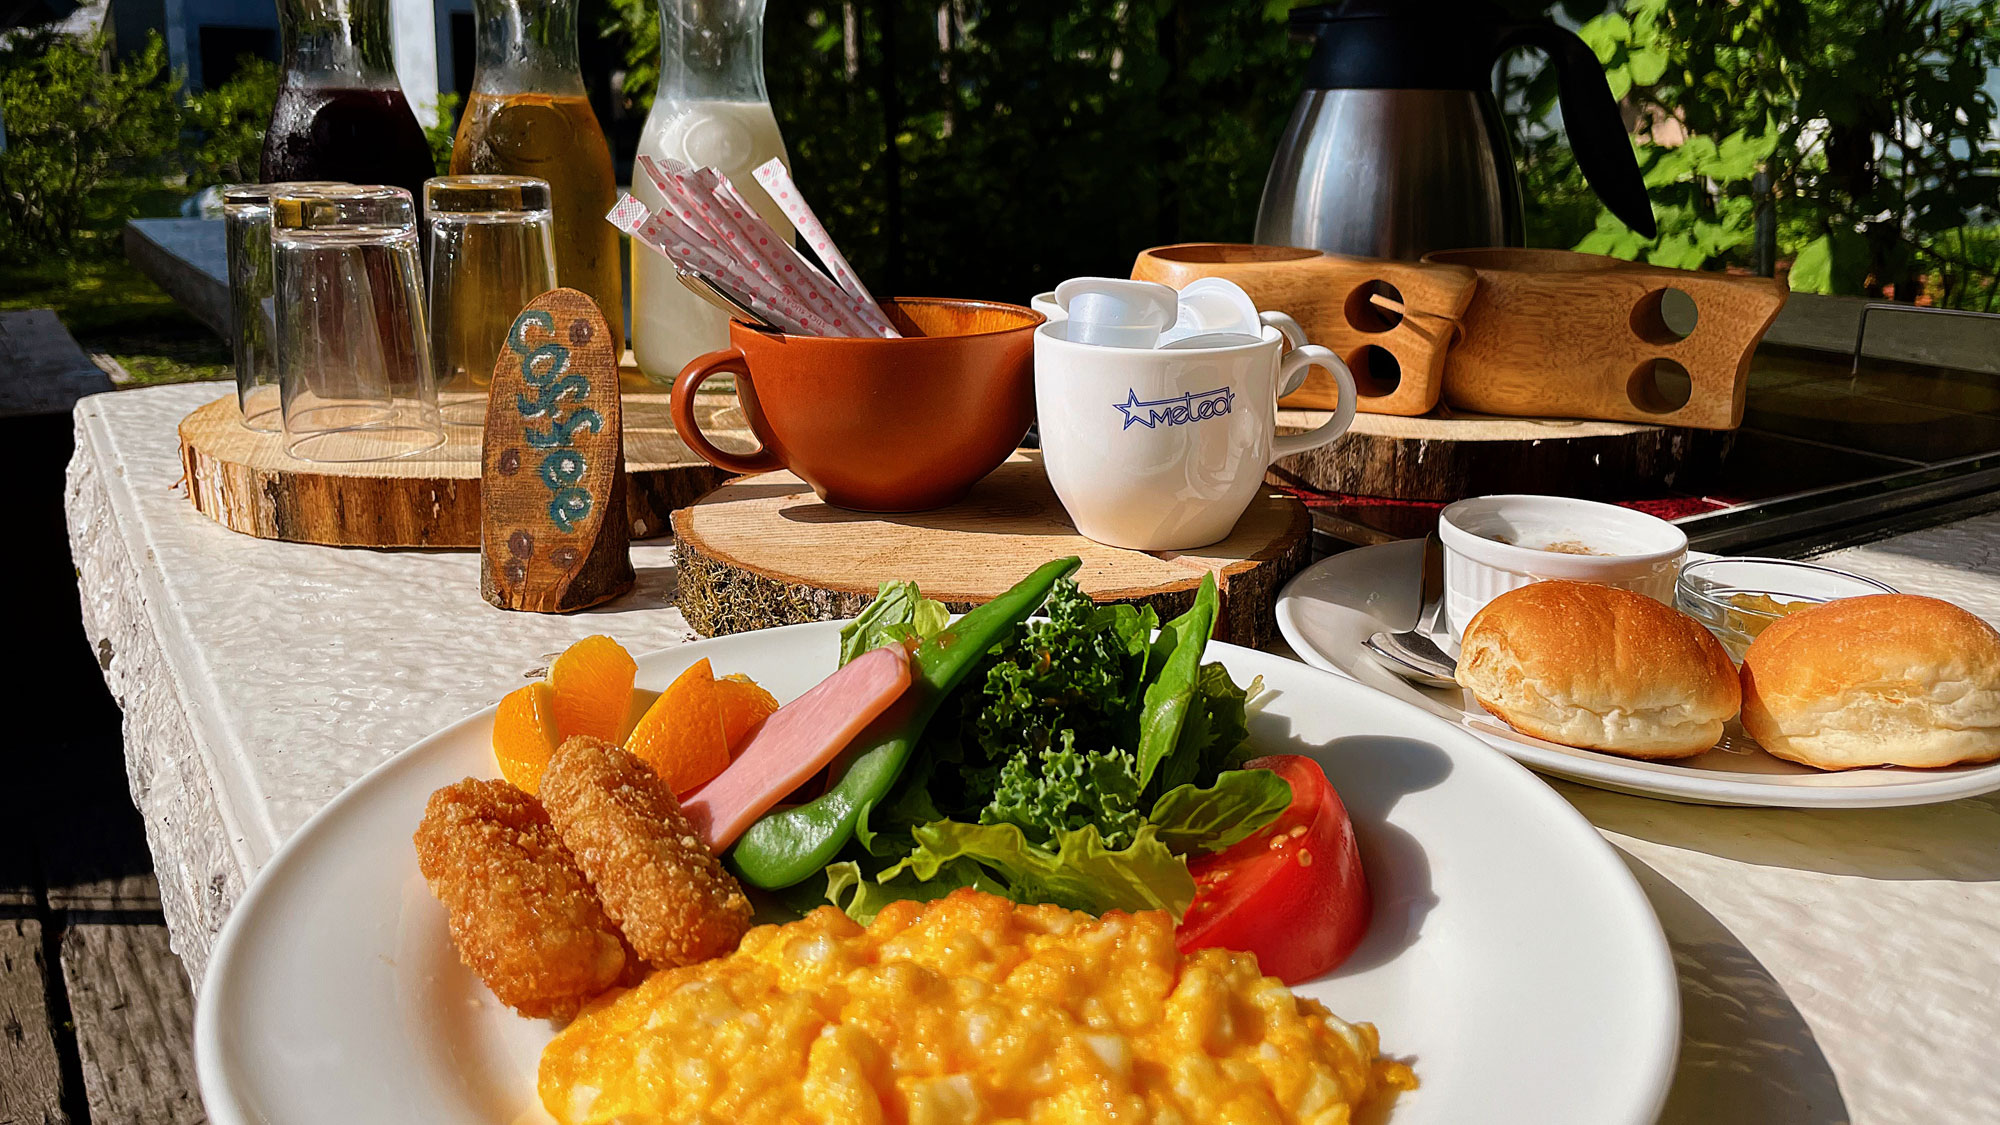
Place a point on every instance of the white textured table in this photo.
(1835, 966)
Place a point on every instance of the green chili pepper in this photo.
(790, 845)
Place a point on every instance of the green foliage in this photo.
(1021, 142)
(229, 122)
(442, 129)
(1869, 119)
(85, 138)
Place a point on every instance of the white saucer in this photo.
(1329, 611)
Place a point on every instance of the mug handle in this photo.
(1295, 337)
(1294, 364)
(690, 380)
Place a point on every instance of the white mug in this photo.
(1163, 449)
(1295, 336)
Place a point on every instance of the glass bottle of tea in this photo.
(528, 117)
(341, 114)
(711, 109)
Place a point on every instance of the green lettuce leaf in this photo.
(1236, 807)
(898, 613)
(883, 829)
(861, 898)
(1176, 653)
(1216, 725)
(1080, 872)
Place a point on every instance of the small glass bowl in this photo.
(1705, 591)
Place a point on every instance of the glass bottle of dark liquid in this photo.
(528, 117)
(340, 113)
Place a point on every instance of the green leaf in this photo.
(1836, 262)
(1176, 653)
(861, 898)
(1236, 807)
(898, 613)
(1080, 873)
(1645, 65)
(1606, 34)
(1217, 724)
(1062, 788)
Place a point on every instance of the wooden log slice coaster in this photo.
(245, 481)
(1446, 458)
(763, 551)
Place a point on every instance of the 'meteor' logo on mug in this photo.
(1195, 406)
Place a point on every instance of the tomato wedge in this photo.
(1293, 894)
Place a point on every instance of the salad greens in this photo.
(790, 845)
(1079, 763)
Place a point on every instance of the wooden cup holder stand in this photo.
(1514, 332)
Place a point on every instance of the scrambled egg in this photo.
(968, 1009)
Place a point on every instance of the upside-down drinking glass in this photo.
(354, 362)
(491, 250)
(246, 226)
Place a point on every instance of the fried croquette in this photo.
(522, 914)
(666, 890)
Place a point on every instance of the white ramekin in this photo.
(1645, 551)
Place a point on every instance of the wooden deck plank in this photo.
(134, 1020)
(135, 892)
(30, 1068)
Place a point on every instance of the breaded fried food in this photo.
(658, 881)
(522, 914)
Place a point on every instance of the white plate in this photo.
(1513, 960)
(1328, 612)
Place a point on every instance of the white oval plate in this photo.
(1513, 961)
(1328, 612)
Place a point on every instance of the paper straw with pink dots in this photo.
(777, 183)
(707, 226)
(689, 250)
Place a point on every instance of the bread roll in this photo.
(1888, 679)
(1599, 668)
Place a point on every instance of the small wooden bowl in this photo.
(879, 425)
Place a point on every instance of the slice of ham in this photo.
(795, 742)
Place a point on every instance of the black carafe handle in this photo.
(1590, 118)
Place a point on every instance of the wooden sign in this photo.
(553, 532)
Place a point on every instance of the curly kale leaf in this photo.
(1060, 789)
(1082, 670)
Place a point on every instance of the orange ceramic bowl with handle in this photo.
(879, 425)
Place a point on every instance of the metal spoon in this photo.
(719, 295)
(1411, 653)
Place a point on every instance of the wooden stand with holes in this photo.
(1550, 333)
(552, 494)
(1392, 322)
(763, 551)
(1441, 459)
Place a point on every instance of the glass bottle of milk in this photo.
(711, 109)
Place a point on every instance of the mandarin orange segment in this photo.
(680, 736)
(642, 702)
(743, 705)
(593, 684)
(525, 735)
